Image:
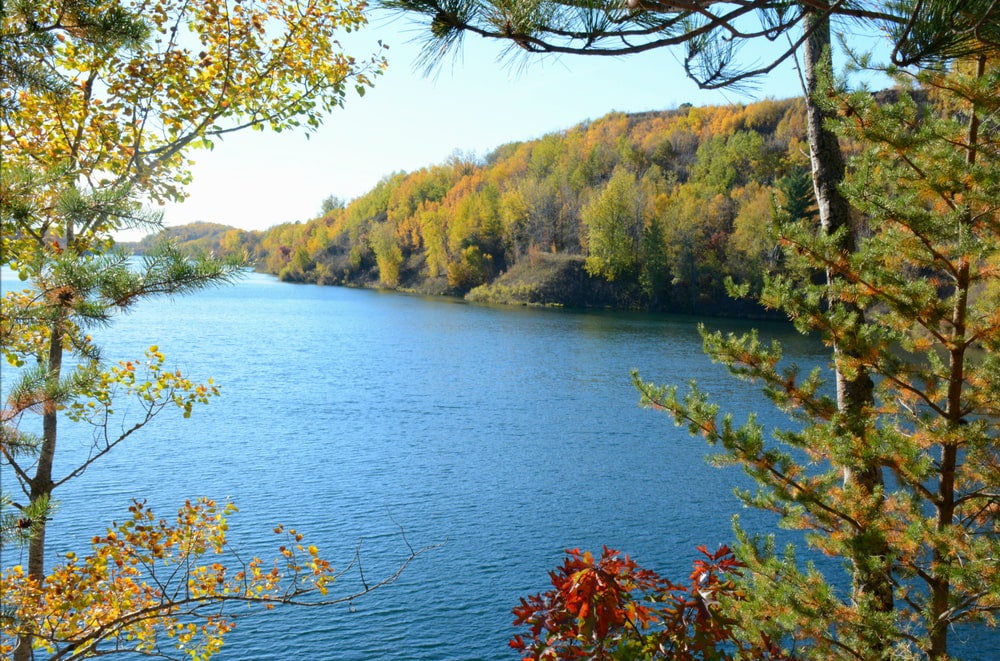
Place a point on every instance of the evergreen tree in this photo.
(929, 182)
(654, 269)
(799, 202)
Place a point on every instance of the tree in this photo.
(388, 254)
(929, 183)
(331, 203)
(137, 86)
(102, 102)
(798, 201)
(654, 269)
(148, 579)
(614, 222)
(472, 268)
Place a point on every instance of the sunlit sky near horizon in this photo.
(473, 104)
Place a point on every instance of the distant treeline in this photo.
(202, 239)
(653, 210)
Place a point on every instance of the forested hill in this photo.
(650, 210)
(196, 238)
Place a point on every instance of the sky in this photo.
(474, 103)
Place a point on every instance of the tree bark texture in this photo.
(855, 395)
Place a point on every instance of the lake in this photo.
(507, 434)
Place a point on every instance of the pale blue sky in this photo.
(254, 180)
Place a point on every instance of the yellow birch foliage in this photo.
(174, 75)
(150, 582)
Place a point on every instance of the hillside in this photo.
(651, 210)
(201, 239)
(648, 211)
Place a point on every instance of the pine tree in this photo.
(928, 181)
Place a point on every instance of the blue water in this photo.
(505, 434)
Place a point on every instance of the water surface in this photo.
(507, 434)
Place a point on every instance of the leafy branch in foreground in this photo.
(149, 579)
(612, 608)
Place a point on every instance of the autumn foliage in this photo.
(612, 608)
(662, 205)
(148, 583)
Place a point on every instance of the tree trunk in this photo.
(872, 575)
(941, 587)
(943, 560)
(41, 484)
